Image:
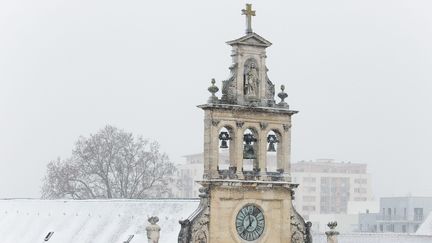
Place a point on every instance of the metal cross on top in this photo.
(249, 13)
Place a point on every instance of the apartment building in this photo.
(397, 214)
(326, 186)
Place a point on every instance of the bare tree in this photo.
(110, 164)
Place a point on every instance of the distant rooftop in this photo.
(406, 197)
(328, 166)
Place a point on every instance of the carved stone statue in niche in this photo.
(251, 79)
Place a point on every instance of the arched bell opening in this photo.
(250, 150)
(273, 154)
(226, 144)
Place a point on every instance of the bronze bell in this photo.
(248, 150)
(271, 139)
(224, 137)
(271, 148)
(224, 144)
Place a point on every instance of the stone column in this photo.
(232, 149)
(239, 150)
(214, 155)
(286, 150)
(239, 78)
(282, 153)
(153, 230)
(332, 233)
(280, 158)
(263, 75)
(207, 143)
(262, 153)
(211, 147)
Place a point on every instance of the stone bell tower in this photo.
(248, 199)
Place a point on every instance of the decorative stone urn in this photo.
(153, 230)
(332, 233)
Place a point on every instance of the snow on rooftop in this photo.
(114, 221)
(426, 227)
(90, 221)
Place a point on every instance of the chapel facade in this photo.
(246, 201)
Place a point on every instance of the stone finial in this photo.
(332, 233)
(213, 89)
(309, 238)
(153, 230)
(282, 95)
(204, 192)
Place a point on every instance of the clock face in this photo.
(250, 222)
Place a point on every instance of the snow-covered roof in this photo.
(114, 221)
(426, 227)
(90, 221)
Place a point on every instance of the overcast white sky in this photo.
(359, 72)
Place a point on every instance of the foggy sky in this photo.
(359, 72)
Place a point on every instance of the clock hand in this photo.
(250, 222)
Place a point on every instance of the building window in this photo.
(360, 181)
(404, 229)
(309, 199)
(360, 190)
(390, 228)
(418, 214)
(309, 208)
(309, 180)
(310, 189)
(381, 228)
(405, 213)
(360, 199)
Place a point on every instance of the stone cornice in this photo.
(259, 41)
(248, 108)
(240, 183)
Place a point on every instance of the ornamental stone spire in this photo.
(248, 83)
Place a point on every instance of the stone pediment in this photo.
(252, 39)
